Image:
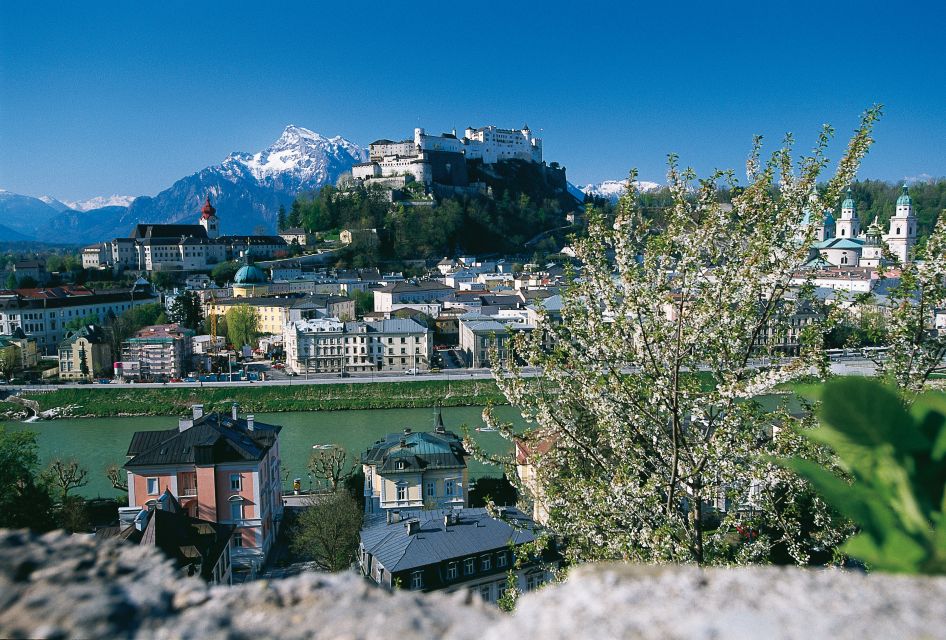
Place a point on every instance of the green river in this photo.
(98, 442)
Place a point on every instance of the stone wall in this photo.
(62, 586)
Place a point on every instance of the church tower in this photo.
(848, 226)
(872, 254)
(902, 236)
(209, 220)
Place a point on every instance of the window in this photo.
(399, 464)
(449, 487)
(452, 571)
(402, 492)
(235, 482)
(238, 540)
(486, 563)
(501, 559)
(417, 580)
(236, 509)
(431, 489)
(152, 486)
(468, 567)
(486, 592)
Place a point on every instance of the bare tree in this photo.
(332, 464)
(65, 475)
(117, 477)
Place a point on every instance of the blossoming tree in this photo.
(654, 441)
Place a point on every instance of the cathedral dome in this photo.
(249, 274)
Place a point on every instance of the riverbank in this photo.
(101, 401)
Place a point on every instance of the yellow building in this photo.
(274, 313)
(17, 351)
(86, 353)
(416, 470)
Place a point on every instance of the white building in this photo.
(409, 293)
(44, 314)
(843, 244)
(327, 345)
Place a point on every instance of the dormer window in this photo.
(399, 465)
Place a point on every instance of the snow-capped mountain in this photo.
(93, 203)
(299, 155)
(613, 189)
(55, 204)
(248, 188)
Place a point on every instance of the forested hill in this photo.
(879, 198)
(522, 202)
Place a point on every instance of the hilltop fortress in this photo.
(447, 160)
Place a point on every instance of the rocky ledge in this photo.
(71, 586)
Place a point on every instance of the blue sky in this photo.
(126, 97)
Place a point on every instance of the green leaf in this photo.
(869, 414)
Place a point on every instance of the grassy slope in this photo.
(96, 401)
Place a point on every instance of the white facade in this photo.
(327, 345)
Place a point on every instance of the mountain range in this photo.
(246, 188)
(613, 189)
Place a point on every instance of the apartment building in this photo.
(453, 550)
(221, 468)
(43, 314)
(158, 353)
(275, 312)
(405, 292)
(328, 345)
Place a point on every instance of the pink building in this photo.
(221, 468)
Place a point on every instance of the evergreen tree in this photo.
(281, 219)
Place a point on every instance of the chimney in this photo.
(407, 431)
(234, 410)
(184, 424)
(446, 521)
(393, 516)
(198, 411)
(250, 422)
(413, 526)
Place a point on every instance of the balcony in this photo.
(187, 485)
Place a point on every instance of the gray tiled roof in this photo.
(433, 542)
(213, 439)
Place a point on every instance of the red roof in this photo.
(54, 292)
(208, 211)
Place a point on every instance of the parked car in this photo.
(413, 371)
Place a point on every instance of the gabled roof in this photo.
(474, 532)
(91, 332)
(403, 286)
(213, 439)
(154, 231)
(417, 451)
(193, 544)
(839, 243)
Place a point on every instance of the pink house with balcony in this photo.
(220, 468)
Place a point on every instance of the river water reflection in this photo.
(98, 442)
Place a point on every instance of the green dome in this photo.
(848, 201)
(904, 198)
(249, 274)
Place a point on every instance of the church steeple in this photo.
(209, 220)
(849, 226)
(902, 236)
